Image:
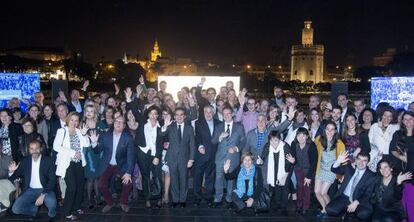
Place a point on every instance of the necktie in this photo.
(179, 133)
(354, 184)
(228, 129)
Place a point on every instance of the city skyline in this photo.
(229, 32)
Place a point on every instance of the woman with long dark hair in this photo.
(29, 134)
(366, 118)
(149, 154)
(35, 113)
(329, 147)
(306, 155)
(402, 147)
(9, 135)
(354, 139)
(386, 197)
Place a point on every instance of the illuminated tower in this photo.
(307, 58)
(156, 52)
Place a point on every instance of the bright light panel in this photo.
(175, 83)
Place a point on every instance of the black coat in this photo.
(203, 137)
(312, 155)
(47, 173)
(363, 189)
(258, 180)
(15, 130)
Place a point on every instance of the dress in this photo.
(92, 161)
(351, 144)
(325, 174)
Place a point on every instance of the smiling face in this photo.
(408, 121)
(179, 116)
(5, 118)
(315, 116)
(247, 162)
(351, 122)
(361, 162)
(385, 169)
(227, 115)
(342, 101)
(34, 112)
(330, 131)
(386, 118)
(367, 117)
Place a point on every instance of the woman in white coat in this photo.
(70, 160)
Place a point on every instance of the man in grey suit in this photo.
(257, 138)
(180, 155)
(230, 138)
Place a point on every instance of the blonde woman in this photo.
(70, 160)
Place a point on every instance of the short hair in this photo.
(363, 154)
(362, 100)
(163, 82)
(31, 121)
(247, 154)
(274, 134)
(69, 116)
(36, 142)
(277, 87)
(180, 108)
(150, 109)
(8, 111)
(63, 105)
(316, 97)
(343, 94)
(228, 108)
(337, 107)
(211, 88)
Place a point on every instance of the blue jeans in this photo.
(25, 204)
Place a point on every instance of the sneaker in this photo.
(107, 208)
(125, 208)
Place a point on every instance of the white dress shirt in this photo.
(114, 148)
(35, 174)
(77, 106)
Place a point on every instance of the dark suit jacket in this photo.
(363, 189)
(72, 108)
(179, 152)
(47, 173)
(203, 137)
(140, 140)
(237, 138)
(54, 126)
(125, 152)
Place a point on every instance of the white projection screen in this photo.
(175, 83)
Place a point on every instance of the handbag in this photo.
(263, 202)
(155, 188)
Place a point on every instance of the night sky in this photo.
(260, 31)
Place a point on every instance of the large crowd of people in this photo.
(243, 153)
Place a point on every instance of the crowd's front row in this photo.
(260, 180)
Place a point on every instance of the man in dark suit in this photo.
(39, 181)
(205, 155)
(117, 146)
(354, 194)
(336, 118)
(180, 155)
(57, 123)
(230, 138)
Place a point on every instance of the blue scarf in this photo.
(241, 184)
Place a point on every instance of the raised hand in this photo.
(226, 166)
(190, 100)
(117, 88)
(222, 136)
(259, 160)
(40, 200)
(343, 157)
(291, 113)
(203, 80)
(141, 79)
(94, 137)
(85, 85)
(84, 129)
(13, 167)
(167, 121)
(290, 158)
(403, 177)
(128, 94)
(190, 163)
(62, 96)
(139, 90)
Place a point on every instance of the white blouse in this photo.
(381, 140)
(150, 133)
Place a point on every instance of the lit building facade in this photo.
(307, 59)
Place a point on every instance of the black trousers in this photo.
(279, 196)
(75, 180)
(339, 206)
(146, 168)
(204, 169)
(380, 215)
